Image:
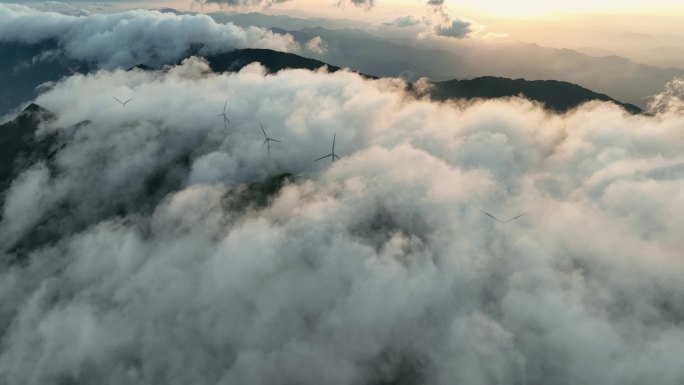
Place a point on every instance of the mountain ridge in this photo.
(18, 142)
(555, 95)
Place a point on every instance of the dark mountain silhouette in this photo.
(619, 77)
(21, 73)
(20, 149)
(274, 61)
(19, 145)
(141, 67)
(555, 95)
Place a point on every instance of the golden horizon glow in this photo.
(536, 8)
(500, 9)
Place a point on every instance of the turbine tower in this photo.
(332, 155)
(267, 139)
(226, 121)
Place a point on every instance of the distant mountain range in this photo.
(381, 51)
(375, 51)
(21, 78)
(555, 95)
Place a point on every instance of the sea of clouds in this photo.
(147, 262)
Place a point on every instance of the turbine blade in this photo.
(338, 158)
(514, 218)
(126, 102)
(333, 148)
(491, 216)
(224, 106)
(323, 157)
(117, 100)
(275, 140)
(262, 130)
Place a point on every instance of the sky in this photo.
(646, 31)
(532, 8)
(496, 8)
(590, 25)
(520, 9)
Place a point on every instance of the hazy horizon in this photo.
(644, 31)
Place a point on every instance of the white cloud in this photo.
(317, 45)
(378, 267)
(446, 25)
(670, 100)
(133, 37)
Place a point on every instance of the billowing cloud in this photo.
(317, 45)
(448, 26)
(170, 255)
(133, 37)
(670, 100)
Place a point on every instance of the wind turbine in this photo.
(226, 121)
(499, 220)
(123, 103)
(332, 154)
(268, 139)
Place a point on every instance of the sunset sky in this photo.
(495, 8)
(489, 8)
(643, 30)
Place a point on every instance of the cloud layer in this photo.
(165, 266)
(133, 37)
